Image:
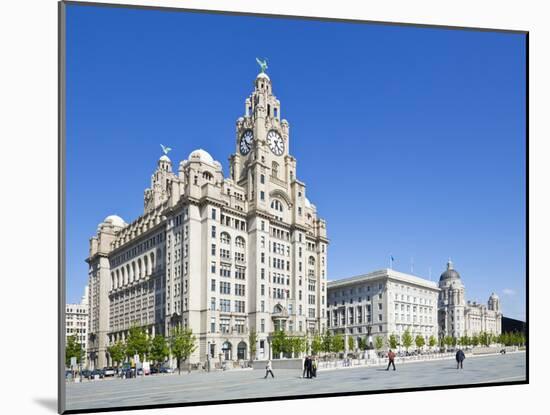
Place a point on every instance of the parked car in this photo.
(166, 370)
(86, 373)
(97, 372)
(108, 371)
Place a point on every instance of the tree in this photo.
(278, 342)
(327, 342)
(299, 345)
(448, 341)
(407, 339)
(393, 341)
(351, 344)
(316, 345)
(464, 341)
(137, 343)
(73, 349)
(337, 343)
(117, 352)
(432, 341)
(475, 340)
(361, 343)
(159, 349)
(378, 342)
(182, 344)
(252, 342)
(420, 342)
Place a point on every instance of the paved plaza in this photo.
(241, 384)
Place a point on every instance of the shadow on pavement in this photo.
(48, 403)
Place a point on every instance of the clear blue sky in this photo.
(411, 141)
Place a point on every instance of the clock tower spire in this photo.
(261, 135)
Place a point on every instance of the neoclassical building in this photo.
(458, 317)
(76, 322)
(220, 255)
(383, 302)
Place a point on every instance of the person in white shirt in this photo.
(268, 370)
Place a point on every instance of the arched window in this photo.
(139, 268)
(240, 242)
(117, 278)
(152, 255)
(277, 205)
(112, 280)
(225, 238)
(311, 260)
(207, 176)
(275, 169)
(145, 266)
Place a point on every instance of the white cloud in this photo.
(508, 291)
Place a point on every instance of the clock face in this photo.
(246, 142)
(275, 142)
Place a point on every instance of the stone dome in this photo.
(263, 75)
(307, 202)
(164, 157)
(450, 273)
(115, 220)
(201, 155)
(494, 296)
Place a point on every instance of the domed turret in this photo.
(115, 220)
(450, 273)
(201, 155)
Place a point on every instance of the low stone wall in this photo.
(279, 364)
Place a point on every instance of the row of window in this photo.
(137, 249)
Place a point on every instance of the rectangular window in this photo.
(213, 304)
(262, 326)
(214, 214)
(213, 285)
(213, 267)
(213, 250)
(262, 195)
(262, 179)
(213, 231)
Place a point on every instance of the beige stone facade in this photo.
(220, 255)
(458, 317)
(382, 302)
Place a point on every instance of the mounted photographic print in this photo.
(260, 207)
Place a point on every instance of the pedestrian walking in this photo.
(268, 370)
(460, 356)
(304, 373)
(391, 357)
(309, 367)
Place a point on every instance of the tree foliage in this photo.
(117, 352)
(316, 345)
(182, 345)
(432, 341)
(351, 344)
(159, 349)
(420, 341)
(73, 349)
(278, 342)
(338, 342)
(137, 343)
(393, 341)
(327, 342)
(407, 339)
(378, 342)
